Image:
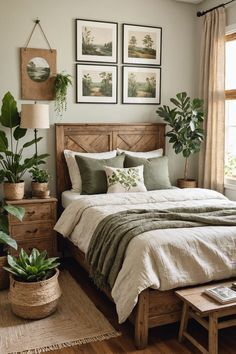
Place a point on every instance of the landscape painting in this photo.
(96, 84)
(141, 85)
(142, 45)
(38, 69)
(96, 41)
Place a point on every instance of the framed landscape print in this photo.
(142, 45)
(96, 41)
(141, 85)
(38, 71)
(96, 83)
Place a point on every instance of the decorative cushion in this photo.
(156, 173)
(125, 180)
(73, 167)
(146, 154)
(92, 172)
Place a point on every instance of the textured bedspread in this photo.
(162, 259)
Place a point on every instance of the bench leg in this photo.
(213, 334)
(184, 321)
(141, 320)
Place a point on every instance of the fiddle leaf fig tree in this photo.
(185, 122)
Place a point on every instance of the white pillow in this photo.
(73, 168)
(125, 180)
(145, 154)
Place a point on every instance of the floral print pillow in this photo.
(125, 180)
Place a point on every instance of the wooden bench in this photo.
(207, 312)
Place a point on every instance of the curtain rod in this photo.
(202, 13)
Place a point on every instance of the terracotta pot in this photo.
(4, 275)
(34, 300)
(39, 190)
(14, 191)
(186, 183)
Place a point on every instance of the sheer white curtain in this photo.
(212, 90)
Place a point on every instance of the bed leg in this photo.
(141, 320)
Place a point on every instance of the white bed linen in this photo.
(68, 197)
(161, 259)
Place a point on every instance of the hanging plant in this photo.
(62, 82)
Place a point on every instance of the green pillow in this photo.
(93, 175)
(156, 173)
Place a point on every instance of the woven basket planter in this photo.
(4, 276)
(34, 300)
(186, 183)
(39, 190)
(14, 191)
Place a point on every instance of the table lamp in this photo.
(35, 116)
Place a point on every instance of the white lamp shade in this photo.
(35, 116)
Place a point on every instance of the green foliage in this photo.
(127, 178)
(230, 166)
(12, 166)
(132, 85)
(106, 84)
(35, 267)
(185, 122)
(38, 175)
(62, 82)
(5, 238)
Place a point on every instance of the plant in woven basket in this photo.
(62, 82)
(32, 268)
(38, 175)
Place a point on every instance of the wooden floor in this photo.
(162, 340)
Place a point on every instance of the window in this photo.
(230, 107)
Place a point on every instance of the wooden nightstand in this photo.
(36, 229)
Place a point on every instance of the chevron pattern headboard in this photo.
(103, 137)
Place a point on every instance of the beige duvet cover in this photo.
(161, 259)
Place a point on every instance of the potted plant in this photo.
(39, 184)
(13, 167)
(5, 239)
(61, 84)
(186, 133)
(34, 287)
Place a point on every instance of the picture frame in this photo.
(37, 70)
(96, 41)
(96, 83)
(142, 45)
(141, 85)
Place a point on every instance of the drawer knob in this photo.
(30, 213)
(32, 231)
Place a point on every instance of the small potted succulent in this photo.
(5, 239)
(39, 184)
(34, 287)
(186, 133)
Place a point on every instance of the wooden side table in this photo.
(36, 229)
(207, 312)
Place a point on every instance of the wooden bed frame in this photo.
(154, 308)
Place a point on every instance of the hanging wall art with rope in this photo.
(38, 70)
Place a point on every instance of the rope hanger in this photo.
(37, 23)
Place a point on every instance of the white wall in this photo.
(57, 19)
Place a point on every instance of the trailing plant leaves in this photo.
(29, 143)
(10, 117)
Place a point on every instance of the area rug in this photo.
(76, 321)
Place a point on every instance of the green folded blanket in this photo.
(109, 242)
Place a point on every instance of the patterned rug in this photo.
(76, 321)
